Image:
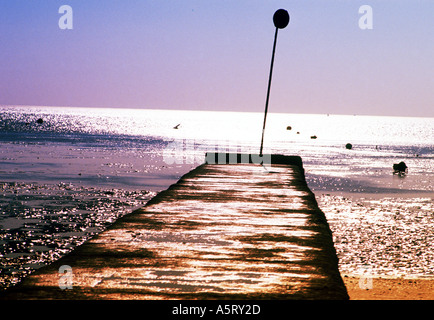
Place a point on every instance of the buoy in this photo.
(40, 121)
(313, 137)
(288, 128)
(349, 146)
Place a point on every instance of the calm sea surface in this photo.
(68, 176)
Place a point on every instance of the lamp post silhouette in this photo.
(280, 20)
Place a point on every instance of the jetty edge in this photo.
(233, 229)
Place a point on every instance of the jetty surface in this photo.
(238, 230)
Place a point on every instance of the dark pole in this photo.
(268, 91)
(281, 20)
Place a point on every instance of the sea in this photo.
(67, 173)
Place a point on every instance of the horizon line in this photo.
(203, 110)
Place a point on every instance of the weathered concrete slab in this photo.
(233, 231)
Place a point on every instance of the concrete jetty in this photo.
(238, 230)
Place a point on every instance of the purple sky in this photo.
(215, 55)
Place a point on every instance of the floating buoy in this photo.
(288, 128)
(313, 137)
(40, 121)
(349, 146)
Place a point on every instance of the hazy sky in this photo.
(215, 55)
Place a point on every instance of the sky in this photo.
(215, 55)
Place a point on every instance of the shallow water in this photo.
(382, 237)
(41, 223)
(68, 178)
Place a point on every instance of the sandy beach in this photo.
(390, 289)
(387, 235)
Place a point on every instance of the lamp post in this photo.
(280, 20)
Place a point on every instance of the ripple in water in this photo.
(41, 223)
(389, 236)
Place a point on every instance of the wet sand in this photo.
(392, 236)
(390, 288)
(398, 275)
